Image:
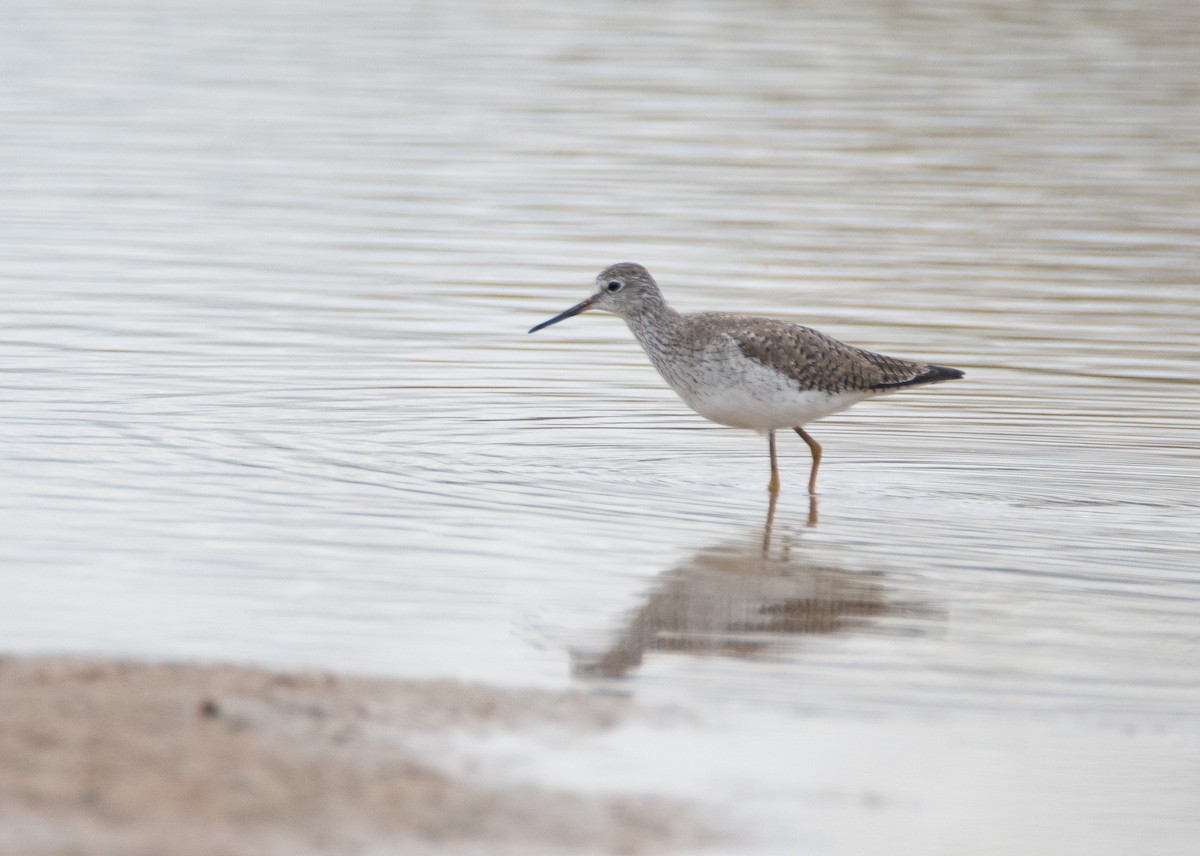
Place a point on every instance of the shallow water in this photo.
(266, 273)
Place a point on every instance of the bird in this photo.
(749, 372)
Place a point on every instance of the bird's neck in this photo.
(655, 326)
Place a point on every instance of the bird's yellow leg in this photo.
(773, 487)
(816, 456)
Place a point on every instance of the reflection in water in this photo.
(727, 599)
(774, 501)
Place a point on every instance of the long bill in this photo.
(581, 306)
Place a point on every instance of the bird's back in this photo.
(807, 358)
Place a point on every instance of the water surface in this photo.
(266, 272)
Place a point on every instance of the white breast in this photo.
(761, 409)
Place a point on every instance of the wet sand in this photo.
(114, 757)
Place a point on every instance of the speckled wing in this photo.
(820, 362)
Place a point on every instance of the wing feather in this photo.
(815, 360)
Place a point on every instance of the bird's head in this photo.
(624, 289)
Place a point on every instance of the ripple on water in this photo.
(269, 394)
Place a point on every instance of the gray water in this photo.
(266, 269)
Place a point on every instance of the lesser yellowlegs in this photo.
(748, 372)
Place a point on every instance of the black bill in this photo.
(581, 306)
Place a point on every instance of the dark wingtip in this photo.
(932, 374)
(937, 373)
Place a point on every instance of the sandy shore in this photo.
(106, 758)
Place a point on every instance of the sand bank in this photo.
(107, 757)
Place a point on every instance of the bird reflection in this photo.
(732, 599)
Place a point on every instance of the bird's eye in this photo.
(614, 286)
